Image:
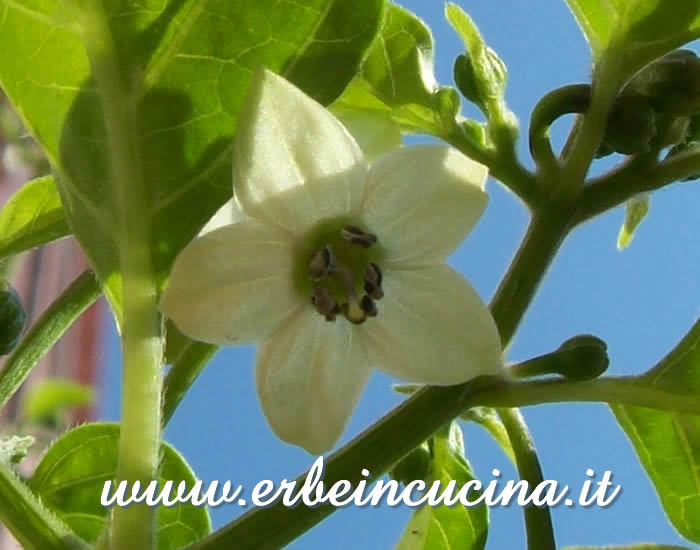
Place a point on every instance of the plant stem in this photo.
(637, 175)
(574, 98)
(23, 514)
(142, 345)
(57, 318)
(504, 167)
(538, 520)
(413, 422)
(605, 86)
(183, 374)
(544, 236)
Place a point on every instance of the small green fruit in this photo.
(12, 318)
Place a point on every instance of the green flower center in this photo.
(339, 271)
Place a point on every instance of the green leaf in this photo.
(396, 79)
(33, 216)
(639, 30)
(442, 527)
(44, 401)
(668, 443)
(636, 210)
(72, 473)
(58, 318)
(643, 546)
(140, 99)
(13, 448)
(488, 419)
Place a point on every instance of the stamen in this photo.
(373, 281)
(355, 235)
(324, 303)
(322, 263)
(368, 306)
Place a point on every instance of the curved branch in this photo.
(640, 174)
(574, 98)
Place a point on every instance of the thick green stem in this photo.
(141, 331)
(638, 175)
(412, 423)
(517, 289)
(542, 240)
(589, 134)
(538, 520)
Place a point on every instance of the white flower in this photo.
(334, 268)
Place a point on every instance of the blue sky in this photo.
(641, 301)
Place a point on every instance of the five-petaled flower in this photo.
(334, 267)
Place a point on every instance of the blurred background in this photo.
(641, 301)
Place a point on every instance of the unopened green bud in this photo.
(415, 465)
(582, 357)
(481, 82)
(479, 74)
(12, 318)
(672, 83)
(465, 78)
(631, 125)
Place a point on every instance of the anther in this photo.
(324, 303)
(368, 306)
(355, 235)
(373, 281)
(322, 263)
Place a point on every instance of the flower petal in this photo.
(422, 202)
(232, 285)
(376, 134)
(294, 162)
(228, 214)
(432, 328)
(310, 374)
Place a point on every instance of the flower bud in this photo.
(415, 465)
(631, 125)
(481, 82)
(12, 318)
(672, 83)
(582, 357)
